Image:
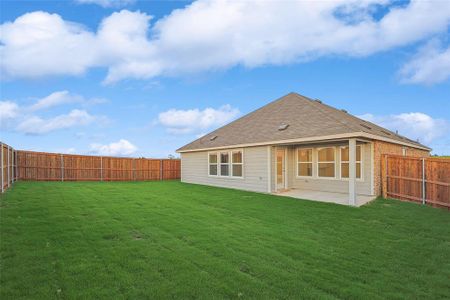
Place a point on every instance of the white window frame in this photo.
(326, 162)
(233, 163)
(358, 161)
(304, 162)
(230, 163)
(217, 164)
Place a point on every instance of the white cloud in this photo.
(430, 65)
(107, 3)
(8, 110)
(24, 118)
(40, 43)
(37, 125)
(414, 125)
(64, 97)
(194, 120)
(209, 35)
(120, 148)
(54, 99)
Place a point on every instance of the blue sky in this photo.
(143, 78)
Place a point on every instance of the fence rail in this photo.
(42, 166)
(422, 180)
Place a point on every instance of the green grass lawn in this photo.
(174, 240)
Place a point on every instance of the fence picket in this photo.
(422, 180)
(44, 166)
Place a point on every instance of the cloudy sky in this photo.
(142, 78)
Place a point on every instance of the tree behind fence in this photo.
(29, 165)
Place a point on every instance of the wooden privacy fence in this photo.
(423, 180)
(69, 167)
(8, 157)
(29, 165)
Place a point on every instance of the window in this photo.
(236, 163)
(213, 164)
(345, 162)
(304, 162)
(326, 162)
(224, 164)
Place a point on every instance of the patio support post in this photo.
(352, 172)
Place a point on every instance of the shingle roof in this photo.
(305, 117)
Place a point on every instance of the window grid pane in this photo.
(237, 170)
(224, 157)
(305, 169)
(345, 170)
(213, 169)
(345, 154)
(304, 155)
(326, 170)
(224, 169)
(213, 158)
(326, 155)
(237, 157)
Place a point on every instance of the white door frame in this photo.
(284, 169)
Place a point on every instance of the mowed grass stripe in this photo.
(175, 240)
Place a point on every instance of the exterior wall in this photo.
(257, 172)
(381, 148)
(194, 169)
(338, 185)
(273, 169)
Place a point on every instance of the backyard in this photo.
(168, 239)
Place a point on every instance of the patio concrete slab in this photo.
(338, 198)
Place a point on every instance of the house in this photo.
(298, 147)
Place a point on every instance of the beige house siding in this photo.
(381, 148)
(194, 169)
(363, 186)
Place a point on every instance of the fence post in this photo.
(1, 157)
(8, 166)
(62, 167)
(134, 169)
(161, 169)
(12, 165)
(384, 173)
(16, 159)
(101, 168)
(423, 181)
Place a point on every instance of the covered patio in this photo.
(337, 171)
